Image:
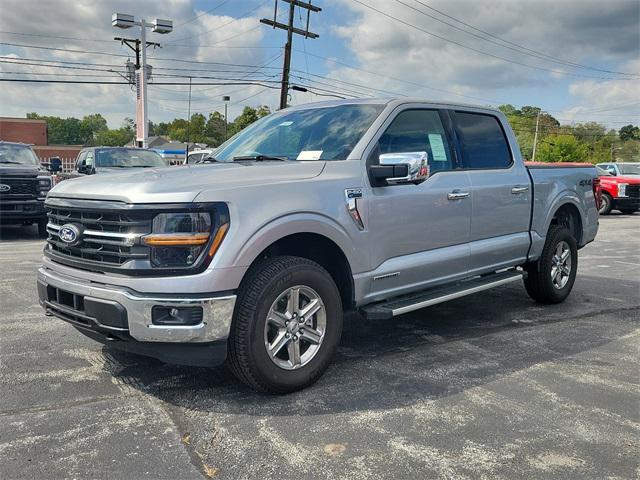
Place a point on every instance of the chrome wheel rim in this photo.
(561, 265)
(295, 327)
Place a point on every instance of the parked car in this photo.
(99, 160)
(619, 192)
(197, 155)
(24, 184)
(621, 168)
(381, 206)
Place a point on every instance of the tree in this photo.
(214, 129)
(114, 138)
(562, 148)
(629, 132)
(90, 126)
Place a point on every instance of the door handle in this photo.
(456, 195)
(519, 189)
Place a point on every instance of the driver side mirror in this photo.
(55, 164)
(400, 168)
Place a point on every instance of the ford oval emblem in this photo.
(4, 188)
(69, 234)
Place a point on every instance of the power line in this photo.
(203, 13)
(518, 48)
(243, 16)
(88, 82)
(435, 35)
(55, 36)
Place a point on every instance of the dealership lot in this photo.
(488, 386)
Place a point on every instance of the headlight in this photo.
(182, 239)
(44, 185)
(622, 189)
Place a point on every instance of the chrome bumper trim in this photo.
(216, 321)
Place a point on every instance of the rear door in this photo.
(500, 192)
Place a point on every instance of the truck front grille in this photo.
(106, 239)
(25, 187)
(633, 191)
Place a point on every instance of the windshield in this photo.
(328, 133)
(18, 154)
(629, 168)
(128, 157)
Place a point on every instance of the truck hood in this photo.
(182, 184)
(630, 179)
(8, 169)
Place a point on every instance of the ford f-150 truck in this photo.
(24, 184)
(619, 192)
(381, 206)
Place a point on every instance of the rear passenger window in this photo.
(483, 142)
(418, 131)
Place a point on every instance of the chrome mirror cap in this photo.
(416, 162)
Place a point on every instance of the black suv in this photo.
(24, 184)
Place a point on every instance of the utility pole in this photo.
(188, 121)
(122, 20)
(535, 137)
(286, 68)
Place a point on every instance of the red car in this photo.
(619, 192)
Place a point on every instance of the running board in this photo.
(415, 301)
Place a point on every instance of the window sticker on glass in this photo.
(437, 147)
(309, 155)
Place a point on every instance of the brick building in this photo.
(34, 132)
(23, 130)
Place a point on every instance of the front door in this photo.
(418, 233)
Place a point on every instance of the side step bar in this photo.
(415, 301)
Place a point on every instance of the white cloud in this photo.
(91, 20)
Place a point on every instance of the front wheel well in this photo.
(321, 250)
(568, 216)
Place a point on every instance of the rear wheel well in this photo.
(568, 216)
(321, 250)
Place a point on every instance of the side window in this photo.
(194, 158)
(482, 140)
(90, 158)
(81, 157)
(418, 131)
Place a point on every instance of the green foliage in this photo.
(629, 132)
(563, 148)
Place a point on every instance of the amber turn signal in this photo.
(217, 240)
(176, 239)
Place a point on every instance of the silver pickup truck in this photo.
(379, 206)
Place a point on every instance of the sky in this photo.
(579, 60)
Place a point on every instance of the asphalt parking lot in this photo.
(488, 386)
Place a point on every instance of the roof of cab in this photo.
(390, 102)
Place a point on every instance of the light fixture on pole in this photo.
(123, 20)
(226, 99)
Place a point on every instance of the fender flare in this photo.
(293, 223)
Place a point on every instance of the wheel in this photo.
(287, 325)
(628, 211)
(551, 278)
(606, 205)
(42, 228)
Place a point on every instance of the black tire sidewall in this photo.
(313, 276)
(552, 293)
(607, 204)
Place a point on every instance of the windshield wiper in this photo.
(12, 161)
(207, 160)
(259, 158)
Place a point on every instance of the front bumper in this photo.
(19, 211)
(120, 314)
(627, 203)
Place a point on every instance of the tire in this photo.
(263, 294)
(607, 204)
(539, 283)
(42, 228)
(628, 211)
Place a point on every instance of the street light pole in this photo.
(123, 20)
(226, 99)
